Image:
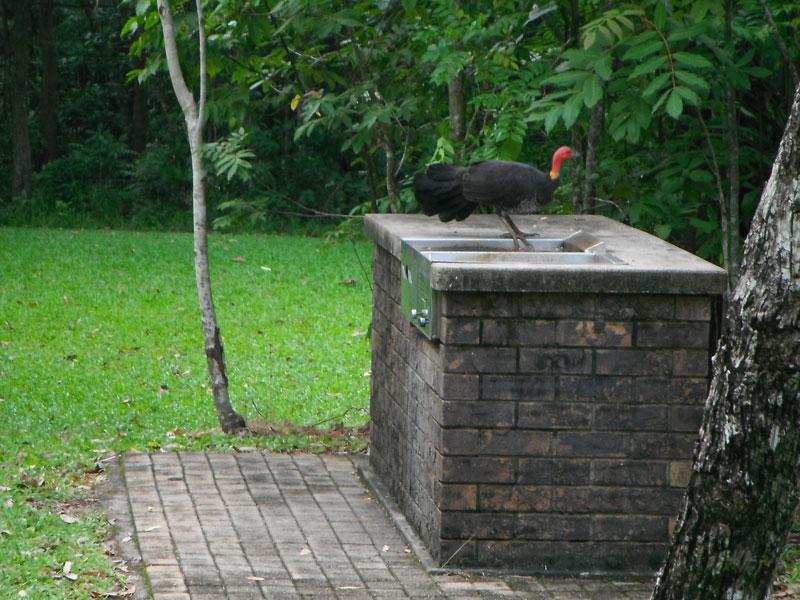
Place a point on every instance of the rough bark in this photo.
(392, 189)
(48, 105)
(194, 114)
(20, 59)
(745, 479)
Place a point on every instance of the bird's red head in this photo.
(559, 156)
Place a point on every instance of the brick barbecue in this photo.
(551, 426)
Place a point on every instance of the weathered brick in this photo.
(493, 413)
(591, 444)
(473, 304)
(514, 442)
(630, 417)
(629, 473)
(475, 469)
(480, 526)
(693, 308)
(555, 360)
(679, 473)
(593, 500)
(455, 496)
(539, 388)
(608, 334)
(595, 389)
(547, 471)
(513, 498)
(662, 445)
(456, 330)
(686, 418)
(554, 415)
(633, 306)
(692, 363)
(483, 359)
(589, 500)
(635, 528)
(557, 306)
(681, 390)
(553, 527)
(633, 362)
(518, 332)
(458, 441)
(672, 334)
(453, 386)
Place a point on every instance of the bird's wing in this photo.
(506, 184)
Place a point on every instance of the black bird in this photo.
(509, 187)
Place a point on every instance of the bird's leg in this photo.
(516, 234)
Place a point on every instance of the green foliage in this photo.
(89, 367)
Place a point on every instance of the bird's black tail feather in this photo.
(439, 192)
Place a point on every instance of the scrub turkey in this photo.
(509, 187)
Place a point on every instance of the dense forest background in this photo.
(320, 107)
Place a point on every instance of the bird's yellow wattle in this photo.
(554, 175)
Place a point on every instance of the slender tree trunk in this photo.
(590, 166)
(194, 114)
(20, 59)
(781, 44)
(745, 479)
(458, 120)
(732, 134)
(48, 105)
(391, 166)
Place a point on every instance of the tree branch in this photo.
(185, 97)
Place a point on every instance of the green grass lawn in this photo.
(101, 353)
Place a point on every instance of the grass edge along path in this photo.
(101, 353)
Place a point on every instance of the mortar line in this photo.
(338, 539)
(263, 520)
(202, 529)
(173, 543)
(233, 527)
(298, 523)
(372, 539)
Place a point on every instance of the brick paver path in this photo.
(274, 526)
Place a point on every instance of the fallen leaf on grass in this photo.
(149, 529)
(238, 259)
(68, 519)
(129, 592)
(67, 570)
(29, 480)
(255, 578)
(349, 282)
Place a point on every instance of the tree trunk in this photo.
(48, 105)
(458, 109)
(20, 59)
(745, 479)
(590, 166)
(194, 114)
(392, 189)
(732, 135)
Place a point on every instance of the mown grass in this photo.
(101, 353)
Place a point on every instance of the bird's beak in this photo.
(576, 154)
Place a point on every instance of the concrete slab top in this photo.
(646, 264)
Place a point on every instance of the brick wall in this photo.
(545, 432)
